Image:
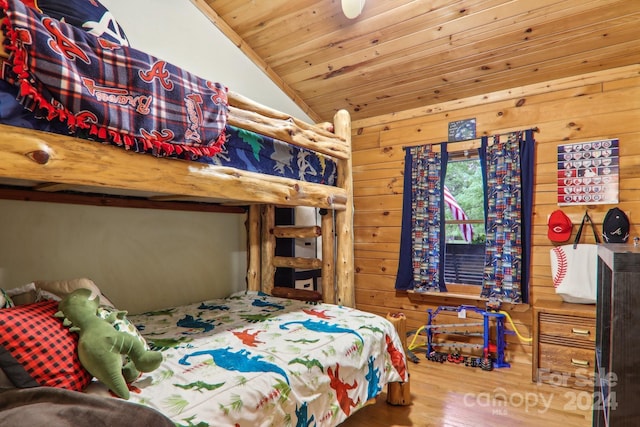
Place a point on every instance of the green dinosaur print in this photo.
(309, 363)
(254, 318)
(303, 341)
(167, 312)
(254, 141)
(190, 424)
(373, 329)
(199, 386)
(284, 390)
(166, 343)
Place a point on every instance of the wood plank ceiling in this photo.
(399, 55)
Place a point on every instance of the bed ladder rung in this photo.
(297, 262)
(263, 224)
(293, 293)
(297, 232)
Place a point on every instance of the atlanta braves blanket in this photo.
(108, 92)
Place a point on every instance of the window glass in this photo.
(464, 220)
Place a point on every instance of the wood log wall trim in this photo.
(598, 105)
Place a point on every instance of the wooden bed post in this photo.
(253, 251)
(344, 218)
(268, 270)
(328, 257)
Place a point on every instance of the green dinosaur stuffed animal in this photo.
(101, 346)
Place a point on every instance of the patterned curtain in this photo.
(507, 162)
(420, 254)
(508, 168)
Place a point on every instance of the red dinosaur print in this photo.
(397, 357)
(247, 338)
(320, 314)
(342, 390)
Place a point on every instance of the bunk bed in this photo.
(317, 361)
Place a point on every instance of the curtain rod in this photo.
(534, 129)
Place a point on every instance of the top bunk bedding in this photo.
(72, 82)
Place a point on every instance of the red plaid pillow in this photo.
(37, 350)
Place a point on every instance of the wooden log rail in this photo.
(296, 232)
(297, 262)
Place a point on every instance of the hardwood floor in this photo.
(450, 395)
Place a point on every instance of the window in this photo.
(507, 166)
(464, 220)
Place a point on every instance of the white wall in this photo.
(176, 31)
(141, 259)
(144, 259)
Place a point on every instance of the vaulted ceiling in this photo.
(399, 54)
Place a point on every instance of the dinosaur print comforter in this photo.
(255, 360)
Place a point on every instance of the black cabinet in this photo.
(285, 248)
(617, 386)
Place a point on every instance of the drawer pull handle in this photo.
(578, 362)
(577, 331)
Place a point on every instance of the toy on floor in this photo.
(487, 361)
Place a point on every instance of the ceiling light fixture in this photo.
(352, 8)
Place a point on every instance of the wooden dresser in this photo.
(564, 338)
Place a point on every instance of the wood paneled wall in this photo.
(583, 108)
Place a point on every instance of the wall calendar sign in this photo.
(588, 173)
(462, 130)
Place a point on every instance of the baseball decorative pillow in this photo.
(89, 15)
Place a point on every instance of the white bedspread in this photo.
(253, 360)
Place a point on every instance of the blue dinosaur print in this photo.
(189, 321)
(302, 413)
(240, 361)
(264, 154)
(261, 303)
(373, 377)
(204, 306)
(322, 326)
(242, 156)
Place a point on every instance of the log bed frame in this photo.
(73, 170)
(67, 169)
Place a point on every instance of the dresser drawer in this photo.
(573, 328)
(566, 359)
(567, 366)
(564, 344)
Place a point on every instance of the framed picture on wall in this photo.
(588, 173)
(462, 130)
